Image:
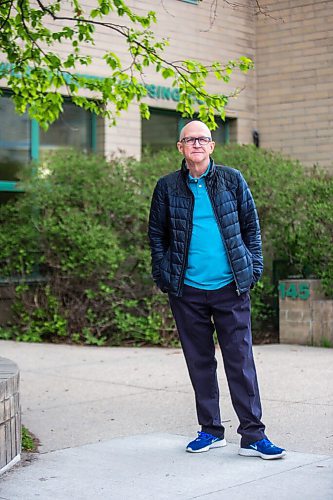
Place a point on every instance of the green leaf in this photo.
(144, 111)
(168, 73)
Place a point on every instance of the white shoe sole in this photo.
(254, 453)
(217, 444)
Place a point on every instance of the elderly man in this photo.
(206, 254)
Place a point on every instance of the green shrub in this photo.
(82, 228)
(295, 209)
(29, 442)
(313, 237)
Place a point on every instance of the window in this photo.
(163, 128)
(221, 134)
(14, 147)
(72, 129)
(22, 140)
(14, 138)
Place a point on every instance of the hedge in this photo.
(75, 246)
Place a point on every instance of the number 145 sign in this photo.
(299, 290)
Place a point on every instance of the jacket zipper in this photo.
(225, 246)
(187, 244)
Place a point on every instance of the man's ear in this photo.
(180, 147)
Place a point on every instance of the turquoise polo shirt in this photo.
(208, 266)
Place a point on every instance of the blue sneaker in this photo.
(264, 449)
(204, 442)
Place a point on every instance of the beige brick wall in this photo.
(288, 98)
(192, 34)
(125, 137)
(294, 67)
(196, 32)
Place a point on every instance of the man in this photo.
(206, 254)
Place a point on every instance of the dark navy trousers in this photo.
(197, 314)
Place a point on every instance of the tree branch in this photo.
(8, 15)
(43, 71)
(124, 31)
(116, 27)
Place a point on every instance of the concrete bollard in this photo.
(10, 415)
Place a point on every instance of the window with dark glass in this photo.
(22, 140)
(14, 146)
(163, 128)
(72, 129)
(14, 137)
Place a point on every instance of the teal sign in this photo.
(153, 91)
(299, 290)
(160, 92)
(165, 93)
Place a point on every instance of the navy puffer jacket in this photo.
(170, 227)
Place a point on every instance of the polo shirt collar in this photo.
(195, 179)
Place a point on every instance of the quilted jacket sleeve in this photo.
(158, 229)
(249, 225)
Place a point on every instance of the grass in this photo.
(326, 342)
(29, 442)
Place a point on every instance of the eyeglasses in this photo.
(192, 140)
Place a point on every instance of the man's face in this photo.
(194, 152)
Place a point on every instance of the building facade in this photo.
(294, 70)
(287, 100)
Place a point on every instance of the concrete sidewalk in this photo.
(113, 424)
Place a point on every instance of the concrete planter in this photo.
(305, 314)
(10, 415)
